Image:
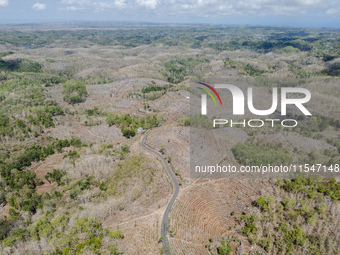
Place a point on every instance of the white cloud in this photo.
(148, 3)
(77, 2)
(120, 3)
(309, 2)
(3, 2)
(39, 7)
(72, 8)
(206, 8)
(103, 5)
(333, 11)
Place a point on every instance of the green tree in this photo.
(162, 149)
(224, 248)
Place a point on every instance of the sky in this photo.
(307, 13)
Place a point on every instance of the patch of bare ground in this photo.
(204, 211)
(110, 96)
(102, 96)
(174, 104)
(141, 235)
(4, 211)
(68, 126)
(139, 219)
(43, 167)
(114, 97)
(176, 143)
(217, 148)
(152, 198)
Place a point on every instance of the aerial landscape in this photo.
(100, 130)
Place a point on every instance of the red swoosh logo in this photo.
(213, 90)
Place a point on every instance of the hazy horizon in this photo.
(298, 13)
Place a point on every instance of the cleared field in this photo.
(141, 235)
(176, 143)
(203, 211)
(42, 168)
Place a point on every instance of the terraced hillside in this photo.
(207, 211)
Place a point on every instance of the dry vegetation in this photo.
(75, 179)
